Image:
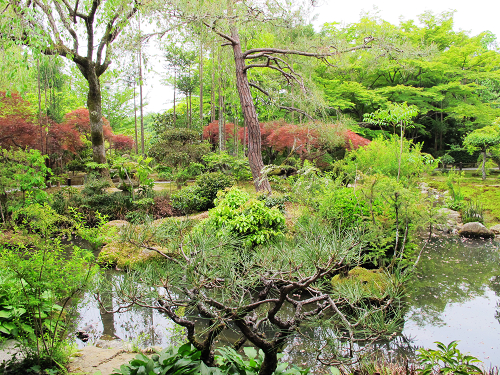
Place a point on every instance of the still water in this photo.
(454, 296)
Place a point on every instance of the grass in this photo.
(473, 188)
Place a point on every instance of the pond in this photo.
(454, 296)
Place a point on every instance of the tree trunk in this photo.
(249, 117)
(483, 165)
(135, 125)
(96, 123)
(201, 83)
(175, 85)
(269, 363)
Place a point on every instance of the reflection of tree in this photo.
(108, 320)
(452, 271)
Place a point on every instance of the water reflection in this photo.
(454, 296)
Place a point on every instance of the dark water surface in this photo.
(454, 296)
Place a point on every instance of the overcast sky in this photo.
(474, 16)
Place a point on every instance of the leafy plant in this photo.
(247, 218)
(453, 182)
(472, 212)
(189, 199)
(211, 183)
(186, 360)
(46, 274)
(447, 360)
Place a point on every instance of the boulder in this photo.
(449, 220)
(495, 229)
(475, 230)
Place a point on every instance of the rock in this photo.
(475, 230)
(450, 221)
(8, 349)
(123, 255)
(495, 229)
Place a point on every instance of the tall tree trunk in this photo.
(222, 125)
(175, 85)
(212, 102)
(250, 118)
(94, 105)
(140, 91)
(135, 125)
(483, 165)
(201, 83)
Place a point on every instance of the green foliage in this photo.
(223, 162)
(200, 197)
(447, 360)
(483, 138)
(345, 208)
(211, 183)
(473, 211)
(190, 199)
(383, 156)
(45, 275)
(395, 115)
(24, 171)
(453, 182)
(93, 201)
(274, 200)
(246, 218)
(178, 147)
(186, 360)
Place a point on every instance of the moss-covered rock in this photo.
(372, 283)
(11, 238)
(126, 255)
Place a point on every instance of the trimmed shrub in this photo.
(190, 199)
(211, 183)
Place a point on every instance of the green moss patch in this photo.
(368, 282)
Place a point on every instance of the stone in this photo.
(475, 230)
(495, 229)
(450, 221)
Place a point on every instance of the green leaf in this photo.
(250, 352)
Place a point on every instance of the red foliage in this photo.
(281, 136)
(63, 137)
(79, 119)
(122, 142)
(211, 132)
(355, 141)
(293, 137)
(16, 123)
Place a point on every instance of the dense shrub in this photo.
(344, 208)
(211, 183)
(247, 218)
(179, 147)
(382, 156)
(190, 199)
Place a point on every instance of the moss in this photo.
(371, 282)
(10, 238)
(124, 255)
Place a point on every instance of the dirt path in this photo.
(93, 360)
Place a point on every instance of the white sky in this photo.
(474, 16)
